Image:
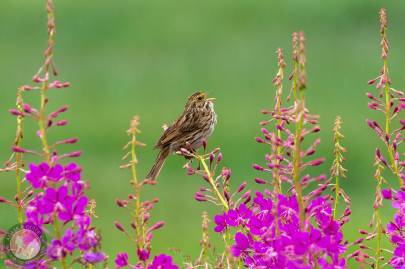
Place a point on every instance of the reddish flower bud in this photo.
(19, 150)
(259, 140)
(317, 162)
(386, 194)
(61, 123)
(157, 226)
(119, 226)
(260, 181)
(258, 167)
(121, 203)
(241, 187)
(372, 81)
(3, 200)
(219, 158)
(74, 154)
(16, 112)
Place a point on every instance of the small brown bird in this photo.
(195, 124)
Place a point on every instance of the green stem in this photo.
(137, 188)
(379, 235)
(58, 236)
(42, 123)
(296, 170)
(212, 183)
(394, 165)
(337, 190)
(19, 156)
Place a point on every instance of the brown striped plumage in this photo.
(195, 124)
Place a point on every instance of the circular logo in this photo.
(24, 243)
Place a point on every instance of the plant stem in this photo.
(42, 124)
(212, 183)
(19, 156)
(337, 190)
(379, 235)
(394, 165)
(137, 188)
(58, 237)
(297, 166)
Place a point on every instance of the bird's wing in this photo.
(187, 123)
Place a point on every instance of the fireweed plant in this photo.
(389, 174)
(141, 231)
(288, 225)
(295, 220)
(50, 192)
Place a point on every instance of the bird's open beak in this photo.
(211, 99)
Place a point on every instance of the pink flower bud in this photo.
(386, 194)
(119, 226)
(61, 123)
(241, 187)
(259, 140)
(26, 88)
(190, 171)
(260, 181)
(121, 203)
(184, 151)
(3, 200)
(157, 226)
(200, 197)
(226, 173)
(246, 194)
(317, 162)
(265, 131)
(27, 108)
(73, 154)
(212, 157)
(258, 167)
(219, 158)
(19, 150)
(371, 81)
(36, 79)
(15, 112)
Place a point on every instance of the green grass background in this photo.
(131, 57)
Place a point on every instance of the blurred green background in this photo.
(131, 57)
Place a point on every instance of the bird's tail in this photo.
(160, 160)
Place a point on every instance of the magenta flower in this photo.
(72, 172)
(220, 221)
(55, 200)
(39, 175)
(60, 248)
(74, 209)
(94, 257)
(121, 260)
(262, 245)
(396, 231)
(162, 261)
(241, 244)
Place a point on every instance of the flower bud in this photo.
(119, 226)
(258, 167)
(157, 226)
(260, 181)
(241, 187)
(386, 194)
(16, 112)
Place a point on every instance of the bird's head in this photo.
(199, 100)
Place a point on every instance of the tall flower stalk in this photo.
(338, 171)
(218, 192)
(390, 103)
(141, 232)
(51, 194)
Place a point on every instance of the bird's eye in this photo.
(200, 98)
